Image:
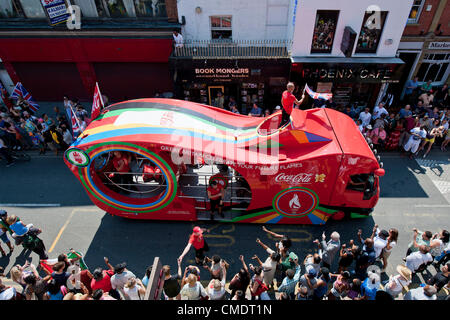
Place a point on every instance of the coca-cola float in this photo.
(319, 166)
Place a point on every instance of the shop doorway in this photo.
(213, 96)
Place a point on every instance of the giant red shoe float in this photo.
(316, 167)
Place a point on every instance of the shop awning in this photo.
(337, 60)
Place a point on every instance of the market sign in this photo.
(439, 45)
(56, 11)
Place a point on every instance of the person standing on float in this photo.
(287, 101)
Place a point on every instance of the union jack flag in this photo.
(20, 91)
(316, 95)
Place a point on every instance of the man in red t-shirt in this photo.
(197, 241)
(287, 101)
(121, 163)
(102, 280)
(216, 193)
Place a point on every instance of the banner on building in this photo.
(56, 11)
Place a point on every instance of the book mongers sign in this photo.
(56, 11)
(222, 73)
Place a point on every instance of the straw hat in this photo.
(404, 272)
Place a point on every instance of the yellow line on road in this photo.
(61, 231)
(67, 223)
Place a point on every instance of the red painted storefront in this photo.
(124, 67)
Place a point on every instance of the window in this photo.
(116, 8)
(221, 27)
(371, 30)
(434, 67)
(149, 8)
(33, 9)
(10, 9)
(363, 183)
(324, 30)
(415, 11)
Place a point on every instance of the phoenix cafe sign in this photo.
(361, 73)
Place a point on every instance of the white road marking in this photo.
(30, 205)
(432, 206)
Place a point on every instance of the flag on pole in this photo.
(97, 104)
(76, 128)
(20, 91)
(316, 95)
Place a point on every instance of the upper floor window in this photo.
(121, 8)
(434, 67)
(415, 11)
(324, 30)
(221, 27)
(371, 30)
(150, 8)
(22, 9)
(10, 9)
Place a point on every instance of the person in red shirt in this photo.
(216, 193)
(121, 163)
(197, 241)
(102, 280)
(287, 101)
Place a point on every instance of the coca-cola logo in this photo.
(294, 178)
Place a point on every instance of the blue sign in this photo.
(56, 11)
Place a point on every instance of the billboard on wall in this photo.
(56, 11)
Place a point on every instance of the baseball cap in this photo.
(277, 108)
(198, 230)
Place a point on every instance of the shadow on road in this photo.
(137, 242)
(400, 180)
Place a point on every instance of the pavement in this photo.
(414, 193)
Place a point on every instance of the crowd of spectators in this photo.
(23, 129)
(420, 120)
(334, 271)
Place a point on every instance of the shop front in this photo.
(216, 81)
(356, 81)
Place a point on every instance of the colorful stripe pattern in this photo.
(318, 216)
(125, 204)
(104, 128)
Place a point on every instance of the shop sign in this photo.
(363, 74)
(222, 73)
(56, 11)
(439, 45)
